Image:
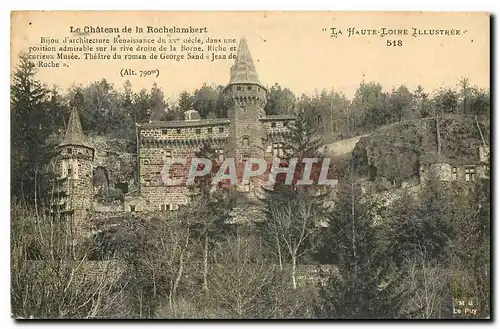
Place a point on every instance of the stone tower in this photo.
(246, 98)
(74, 173)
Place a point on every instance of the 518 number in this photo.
(394, 43)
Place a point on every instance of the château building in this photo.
(246, 132)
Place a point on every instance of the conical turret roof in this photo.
(243, 70)
(74, 132)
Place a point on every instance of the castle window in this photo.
(210, 130)
(246, 141)
(198, 131)
(469, 174)
(278, 150)
(69, 172)
(174, 206)
(238, 87)
(179, 130)
(164, 131)
(168, 156)
(132, 208)
(70, 151)
(163, 207)
(221, 129)
(273, 124)
(220, 155)
(249, 88)
(454, 173)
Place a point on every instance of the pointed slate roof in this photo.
(243, 70)
(74, 132)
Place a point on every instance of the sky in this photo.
(294, 49)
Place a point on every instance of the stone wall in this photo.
(107, 207)
(184, 130)
(157, 198)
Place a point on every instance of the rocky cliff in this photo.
(398, 151)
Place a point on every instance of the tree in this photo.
(280, 101)
(479, 102)
(293, 219)
(185, 101)
(422, 103)
(51, 279)
(400, 102)
(208, 101)
(35, 115)
(211, 208)
(465, 95)
(332, 110)
(240, 277)
(364, 286)
(470, 257)
(294, 212)
(141, 106)
(369, 108)
(420, 228)
(446, 101)
(429, 281)
(302, 140)
(157, 102)
(158, 252)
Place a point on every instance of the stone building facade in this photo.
(246, 132)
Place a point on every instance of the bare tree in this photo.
(430, 284)
(160, 253)
(293, 217)
(240, 277)
(48, 281)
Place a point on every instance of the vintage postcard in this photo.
(250, 165)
